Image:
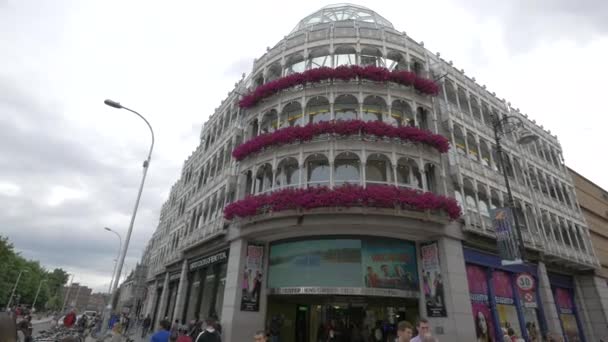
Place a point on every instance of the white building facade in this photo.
(320, 198)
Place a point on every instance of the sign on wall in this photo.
(432, 280)
(526, 286)
(253, 273)
(506, 237)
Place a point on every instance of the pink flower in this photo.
(290, 135)
(342, 73)
(346, 196)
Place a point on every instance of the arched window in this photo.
(421, 118)
(291, 115)
(378, 169)
(347, 168)
(464, 102)
(521, 218)
(494, 199)
(408, 173)
(345, 55)
(458, 196)
(371, 56)
(395, 61)
(450, 92)
(318, 109)
(531, 219)
(373, 108)
(258, 80)
(472, 147)
(220, 203)
(518, 171)
(253, 128)
(319, 58)
(487, 117)
(270, 121)
(288, 173)
(496, 166)
(485, 153)
(430, 172)
(248, 183)
(273, 72)
(295, 63)
(402, 113)
(263, 178)
(459, 140)
(346, 107)
(483, 200)
(469, 194)
(317, 170)
(475, 107)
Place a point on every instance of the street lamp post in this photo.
(37, 293)
(501, 127)
(67, 293)
(146, 164)
(117, 257)
(10, 299)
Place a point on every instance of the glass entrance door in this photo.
(346, 318)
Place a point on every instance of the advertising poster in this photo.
(505, 303)
(252, 278)
(478, 289)
(565, 305)
(368, 264)
(389, 264)
(432, 281)
(506, 238)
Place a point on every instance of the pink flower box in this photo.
(345, 196)
(342, 73)
(290, 135)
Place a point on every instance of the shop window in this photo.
(288, 173)
(219, 293)
(374, 107)
(402, 113)
(347, 168)
(346, 107)
(378, 169)
(291, 115)
(318, 109)
(317, 167)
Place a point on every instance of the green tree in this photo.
(11, 264)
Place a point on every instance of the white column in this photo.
(180, 299)
(546, 296)
(458, 325)
(240, 325)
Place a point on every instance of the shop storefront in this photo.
(343, 286)
(503, 297)
(563, 292)
(205, 288)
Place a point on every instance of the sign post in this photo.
(506, 237)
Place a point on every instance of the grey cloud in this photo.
(527, 24)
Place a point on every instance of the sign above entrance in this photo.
(345, 291)
(208, 260)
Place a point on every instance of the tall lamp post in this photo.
(116, 261)
(10, 299)
(67, 292)
(506, 125)
(37, 293)
(146, 164)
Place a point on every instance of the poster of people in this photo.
(252, 278)
(505, 302)
(389, 264)
(432, 282)
(478, 290)
(563, 298)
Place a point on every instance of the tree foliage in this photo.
(34, 276)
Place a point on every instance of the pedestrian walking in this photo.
(260, 336)
(145, 327)
(183, 334)
(404, 331)
(209, 334)
(174, 333)
(423, 328)
(162, 335)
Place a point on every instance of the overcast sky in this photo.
(70, 165)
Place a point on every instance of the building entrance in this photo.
(347, 318)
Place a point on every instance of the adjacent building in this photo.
(132, 291)
(348, 182)
(76, 296)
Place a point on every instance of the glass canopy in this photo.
(342, 12)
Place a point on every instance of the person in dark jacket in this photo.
(209, 334)
(145, 327)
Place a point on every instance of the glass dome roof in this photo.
(342, 12)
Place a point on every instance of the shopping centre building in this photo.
(348, 183)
